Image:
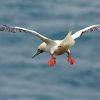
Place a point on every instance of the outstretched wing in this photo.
(85, 30)
(19, 29)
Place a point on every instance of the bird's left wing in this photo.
(85, 30)
(20, 29)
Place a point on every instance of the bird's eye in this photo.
(38, 49)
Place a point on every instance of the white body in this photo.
(56, 47)
(60, 46)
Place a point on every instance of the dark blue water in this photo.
(24, 78)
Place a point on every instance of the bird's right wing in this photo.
(20, 29)
(85, 30)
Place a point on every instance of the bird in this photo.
(53, 47)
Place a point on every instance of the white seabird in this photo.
(54, 47)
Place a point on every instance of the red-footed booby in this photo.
(54, 47)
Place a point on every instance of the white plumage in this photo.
(54, 47)
(85, 30)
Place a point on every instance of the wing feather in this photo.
(20, 29)
(85, 30)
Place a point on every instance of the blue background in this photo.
(24, 78)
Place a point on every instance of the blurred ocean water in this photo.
(24, 78)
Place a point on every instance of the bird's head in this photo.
(41, 49)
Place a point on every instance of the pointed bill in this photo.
(37, 53)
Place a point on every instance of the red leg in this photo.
(70, 59)
(52, 61)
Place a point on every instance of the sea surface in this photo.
(24, 78)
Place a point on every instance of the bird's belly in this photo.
(60, 51)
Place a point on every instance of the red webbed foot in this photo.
(70, 59)
(52, 61)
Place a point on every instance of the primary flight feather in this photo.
(85, 30)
